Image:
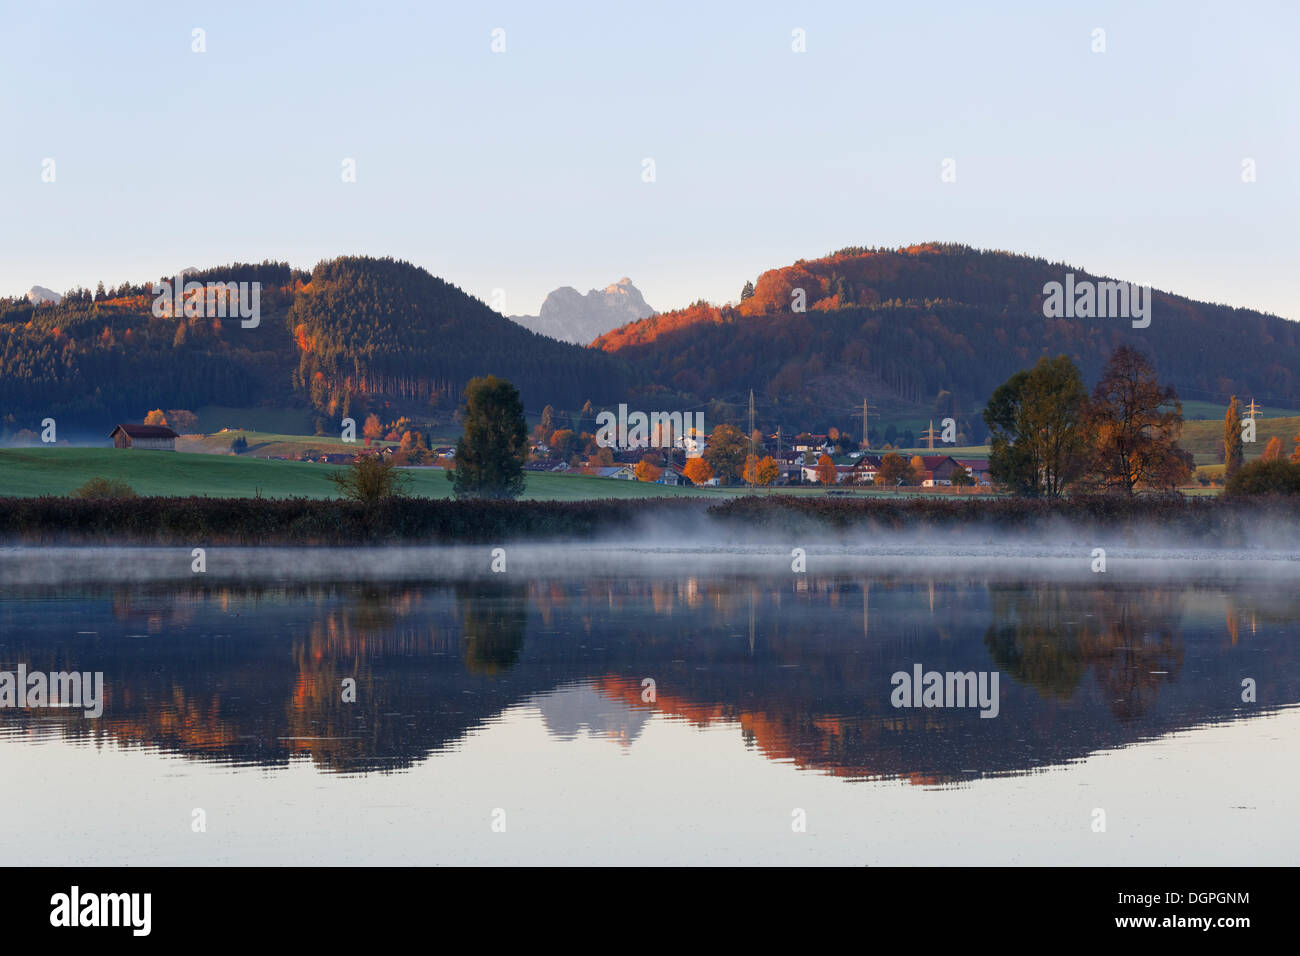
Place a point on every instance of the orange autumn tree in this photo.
(1273, 450)
(917, 464)
(1295, 455)
(761, 472)
(697, 470)
(182, 420)
(1136, 422)
(826, 473)
(645, 471)
(156, 417)
(894, 470)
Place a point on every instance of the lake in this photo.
(629, 704)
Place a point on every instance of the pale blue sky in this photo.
(522, 170)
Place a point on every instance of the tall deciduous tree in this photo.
(647, 470)
(917, 467)
(1135, 423)
(182, 420)
(826, 472)
(369, 479)
(761, 471)
(893, 471)
(726, 452)
(490, 455)
(1036, 429)
(697, 470)
(563, 443)
(1232, 450)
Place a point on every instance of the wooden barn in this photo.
(150, 437)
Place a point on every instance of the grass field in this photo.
(58, 471)
(28, 472)
(269, 444)
(977, 452)
(1202, 439)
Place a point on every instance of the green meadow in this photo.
(1203, 438)
(30, 472)
(27, 472)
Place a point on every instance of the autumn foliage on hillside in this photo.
(355, 334)
(906, 325)
(103, 355)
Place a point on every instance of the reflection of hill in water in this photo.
(801, 668)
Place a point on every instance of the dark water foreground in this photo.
(691, 715)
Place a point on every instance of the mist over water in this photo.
(999, 557)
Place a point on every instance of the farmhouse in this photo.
(978, 469)
(620, 473)
(791, 465)
(547, 464)
(151, 437)
(938, 470)
(842, 473)
(865, 468)
(817, 443)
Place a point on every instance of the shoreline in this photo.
(1220, 523)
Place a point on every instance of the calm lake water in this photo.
(507, 718)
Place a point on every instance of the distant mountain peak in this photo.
(39, 295)
(571, 316)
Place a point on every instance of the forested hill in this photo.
(101, 357)
(367, 328)
(926, 329)
(903, 327)
(352, 335)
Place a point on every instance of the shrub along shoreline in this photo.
(306, 521)
(301, 521)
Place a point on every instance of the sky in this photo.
(525, 169)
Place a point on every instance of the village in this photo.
(760, 460)
(808, 459)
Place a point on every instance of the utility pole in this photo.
(929, 435)
(866, 441)
(752, 453)
(1252, 411)
(668, 457)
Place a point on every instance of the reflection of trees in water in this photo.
(495, 618)
(257, 675)
(1049, 636)
(374, 611)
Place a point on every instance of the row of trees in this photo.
(1049, 435)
